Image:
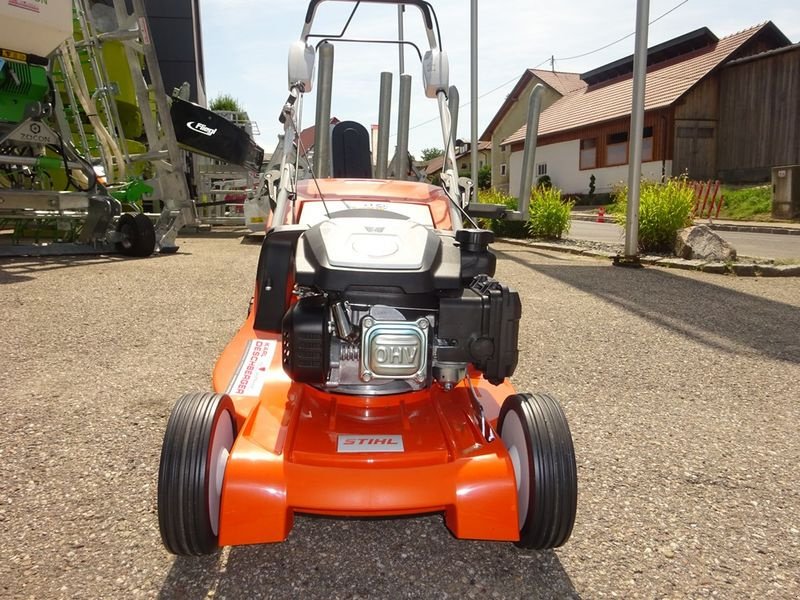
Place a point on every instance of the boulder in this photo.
(700, 242)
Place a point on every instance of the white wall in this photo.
(563, 168)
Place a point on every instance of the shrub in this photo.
(544, 182)
(485, 177)
(664, 208)
(501, 227)
(550, 214)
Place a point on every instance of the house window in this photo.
(463, 166)
(617, 148)
(647, 144)
(541, 169)
(589, 153)
(503, 169)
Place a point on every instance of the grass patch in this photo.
(747, 204)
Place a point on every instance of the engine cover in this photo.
(388, 306)
(338, 254)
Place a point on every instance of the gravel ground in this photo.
(681, 389)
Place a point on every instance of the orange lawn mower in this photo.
(371, 376)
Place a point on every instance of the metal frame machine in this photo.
(87, 131)
(371, 376)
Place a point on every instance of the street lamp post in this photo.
(474, 92)
(631, 257)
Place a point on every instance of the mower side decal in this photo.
(254, 368)
(356, 444)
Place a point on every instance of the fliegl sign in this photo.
(201, 128)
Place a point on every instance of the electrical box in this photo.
(33, 26)
(786, 192)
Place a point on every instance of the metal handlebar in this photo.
(424, 6)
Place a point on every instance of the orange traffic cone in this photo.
(601, 215)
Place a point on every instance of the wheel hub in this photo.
(219, 451)
(513, 436)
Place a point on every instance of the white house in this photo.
(691, 114)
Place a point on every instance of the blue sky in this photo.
(246, 44)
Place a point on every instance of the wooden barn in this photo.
(714, 108)
(759, 115)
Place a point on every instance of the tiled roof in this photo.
(561, 82)
(761, 55)
(434, 165)
(308, 135)
(665, 84)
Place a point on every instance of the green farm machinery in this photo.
(84, 135)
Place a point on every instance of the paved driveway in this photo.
(681, 390)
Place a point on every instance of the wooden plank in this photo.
(759, 116)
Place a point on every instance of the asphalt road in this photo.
(681, 390)
(762, 245)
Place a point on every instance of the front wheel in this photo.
(199, 437)
(138, 235)
(535, 432)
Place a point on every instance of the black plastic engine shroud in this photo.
(477, 316)
(482, 327)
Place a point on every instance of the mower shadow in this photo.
(372, 558)
(716, 316)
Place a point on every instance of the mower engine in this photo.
(388, 306)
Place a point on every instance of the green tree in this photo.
(431, 153)
(226, 102)
(485, 177)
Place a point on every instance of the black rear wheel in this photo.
(534, 429)
(200, 434)
(138, 235)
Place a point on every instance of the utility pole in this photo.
(631, 257)
(474, 93)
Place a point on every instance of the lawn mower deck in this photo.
(302, 450)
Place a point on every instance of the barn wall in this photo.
(759, 124)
